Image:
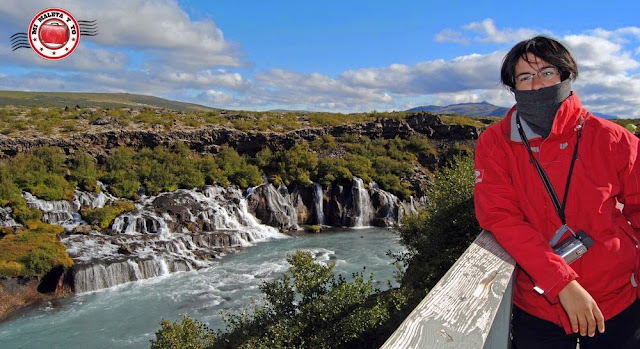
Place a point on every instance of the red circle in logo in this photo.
(54, 33)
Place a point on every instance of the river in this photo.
(128, 315)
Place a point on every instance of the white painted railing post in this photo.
(469, 308)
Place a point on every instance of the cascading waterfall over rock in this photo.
(55, 212)
(63, 212)
(389, 208)
(318, 202)
(273, 206)
(187, 229)
(6, 220)
(362, 204)
(177, 231)
(92, 200)
(343, 204)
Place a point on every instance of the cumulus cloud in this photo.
(216, 98)
(281, 86)
(204, 78)
(608, 82)
(466, 72)
(599, 54)
(484, 31)
(450, 35)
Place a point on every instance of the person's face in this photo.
(535, 74)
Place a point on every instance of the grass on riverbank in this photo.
(32, 252)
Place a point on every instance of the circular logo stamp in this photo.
(54, 33)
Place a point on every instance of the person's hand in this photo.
(583, 311)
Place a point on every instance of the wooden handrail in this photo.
(470, 307)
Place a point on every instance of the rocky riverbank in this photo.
(188, 229)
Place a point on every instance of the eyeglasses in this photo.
(544, 74)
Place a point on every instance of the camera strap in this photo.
(547, 183)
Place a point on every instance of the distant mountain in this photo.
(605, 116)
(469, 109)
(104, 100)
(479, 109)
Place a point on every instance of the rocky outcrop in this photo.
(18, 292)
(347, 204)
(208, 139)
(273, 207)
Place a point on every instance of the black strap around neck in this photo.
(543, 175)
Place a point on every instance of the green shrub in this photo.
(188, 334)
(440, 233)
(299, 164)
(103, 217)
(122, 159)
(359, 166)
(84, 171)
(11, 268)
(264, 157)
(187, 168)
(37, 262)
(236, 169)
(50, 187)
(309, 307)
(10, 193)
(41, 173)
(210, 170)
(33, 252)
(331, 170)
(23, 214)
(123, 183)
(53, 159)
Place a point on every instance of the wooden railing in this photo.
(469, 308)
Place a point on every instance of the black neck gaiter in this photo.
(538, 107)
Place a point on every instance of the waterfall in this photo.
(389, 207)
(362, 202)
(178, 231)
(96, 276)
(92, 200)
(284, 200)
(318, 203)
(273, 206)
(58, 212)
(6, 220)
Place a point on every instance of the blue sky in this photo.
(339, 56)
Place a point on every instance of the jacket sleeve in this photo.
(498, 211)
(626, 156)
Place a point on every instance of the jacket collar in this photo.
(565, 121)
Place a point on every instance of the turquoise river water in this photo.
(127, 316)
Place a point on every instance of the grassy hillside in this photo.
(104, 100)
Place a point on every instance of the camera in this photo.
(573, 247)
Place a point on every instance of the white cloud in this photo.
(620, 35)
(599, 54)
(609, 82)
(463, 73)
(216, 98)
(282, 86)
(450, 35)
(205, 78)
(486, 31)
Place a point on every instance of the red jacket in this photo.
(512, 203)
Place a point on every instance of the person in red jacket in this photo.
(551, 173)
